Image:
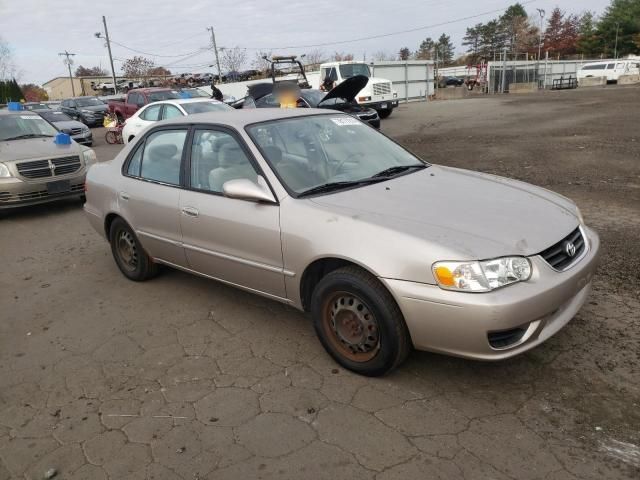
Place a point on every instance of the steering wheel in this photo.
(339, 166)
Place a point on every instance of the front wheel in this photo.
(132, 260)
(359, 323)
(385, 113)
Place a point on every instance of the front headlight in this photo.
(579, 215)
(481, 276)
(89, 157)
(4, 171)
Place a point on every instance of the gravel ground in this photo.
(183, 378)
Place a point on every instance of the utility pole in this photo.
(541, 12)
(615, 50)
(215, 49)
(106, 37)
(69, 62)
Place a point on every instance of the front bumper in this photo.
(16, 193)
(84, 138)
(459, 323)
(383, 105)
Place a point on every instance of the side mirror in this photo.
(245, 189)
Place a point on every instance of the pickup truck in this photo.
(138, 98)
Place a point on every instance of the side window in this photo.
(333, 75)
(162, 156)
(134, 164)
(268, 101)
(323, 74)
(216, 158)
(610, 66)
(152, 113)
(171, 111)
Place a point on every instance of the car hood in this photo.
(465, 214)
(35, 148)
(69, 124)
(95, 108)
(348, 89)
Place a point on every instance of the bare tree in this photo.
(7, 65)
(315, 57)
(233, 59)
(382, 56)
(260, 63)
(137, 67)
(342, 57)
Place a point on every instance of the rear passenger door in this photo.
(233, 240)
(149, 196)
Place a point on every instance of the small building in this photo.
(59, 88)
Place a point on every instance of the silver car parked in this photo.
(316, 210)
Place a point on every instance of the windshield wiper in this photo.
(333, 186)
(28, 135)
(391, 171)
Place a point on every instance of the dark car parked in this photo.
(341, 98)
(450, 82)
(63, 122)
(88, 110)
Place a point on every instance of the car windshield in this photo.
(88, 102)
(313, 97)
(334, 150)
(55, 116)
(36, 106)
(195, 93)
(203, 107)
(352, 69)
(14, 127)
(158, 96)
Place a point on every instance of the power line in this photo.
(201, 49)
(391, 34)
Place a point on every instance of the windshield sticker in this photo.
(343, 121)
(29, 117)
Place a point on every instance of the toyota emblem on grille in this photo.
(570, 248)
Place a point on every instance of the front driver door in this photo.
(233, 240)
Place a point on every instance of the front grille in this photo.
(505, 338)
(66, 165)
(7, 197)
(382, 88)
(367, 116)
(76, 131)
(34, 169)
(42, 169)
(558, 257)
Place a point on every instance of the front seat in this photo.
(234, 164)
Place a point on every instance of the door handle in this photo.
(124, 195)
(190, 211)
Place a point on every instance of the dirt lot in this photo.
(184, 378)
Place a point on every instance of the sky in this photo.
(174, 33)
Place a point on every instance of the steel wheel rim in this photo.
(127, 250)
(351, 327)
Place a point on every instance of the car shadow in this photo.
(44, 209)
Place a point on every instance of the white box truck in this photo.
(378, 94)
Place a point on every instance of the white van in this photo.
(611, 69)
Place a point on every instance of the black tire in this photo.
(139, 266)
(385, 113)
(384, 338)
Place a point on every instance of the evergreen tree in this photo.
(425, 51)
(622, 16)
(445, 50)
(589, 43)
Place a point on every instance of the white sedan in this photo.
(156, 111)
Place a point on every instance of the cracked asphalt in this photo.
(184, 378)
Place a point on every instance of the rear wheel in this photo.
(385, 113)
(129, 255)
(359, 323)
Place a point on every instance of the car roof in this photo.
(17, 112)
(241, 118)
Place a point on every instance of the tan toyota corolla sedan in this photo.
(318, 210)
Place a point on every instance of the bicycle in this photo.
(114, 132)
